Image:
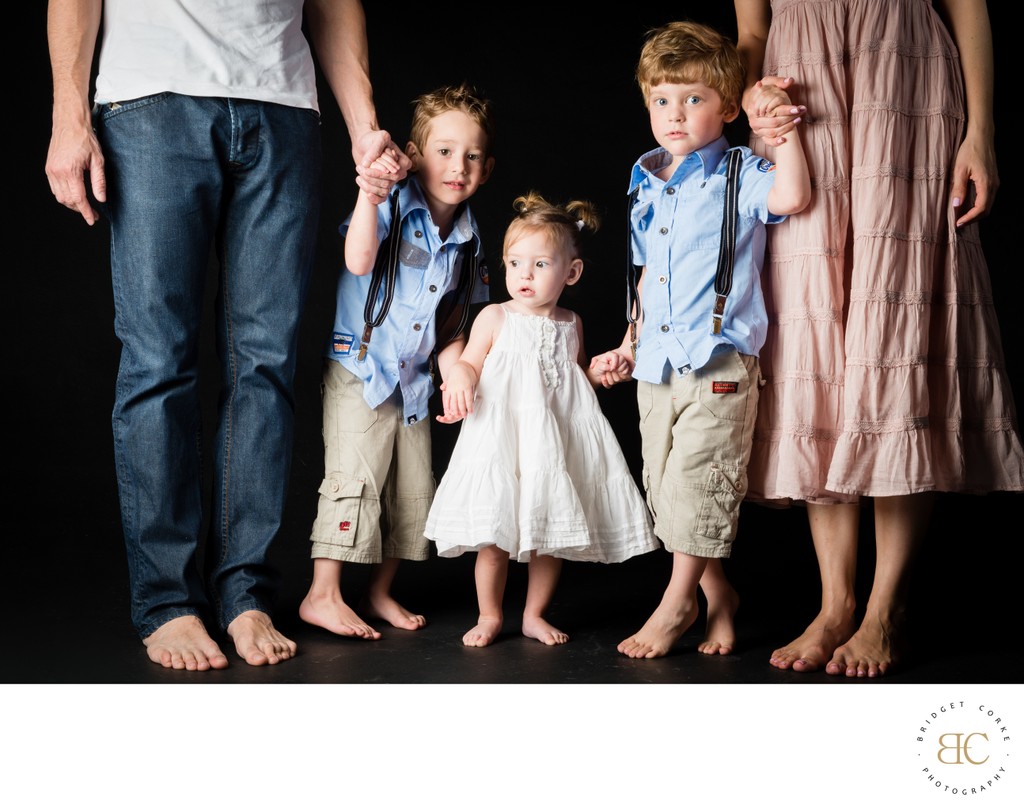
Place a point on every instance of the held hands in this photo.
(379, 164)
(457, 393)
(770, 112)
(612, 367)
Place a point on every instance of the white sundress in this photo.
(537, 466)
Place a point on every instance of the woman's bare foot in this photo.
(333, 614)
(184, 643)
(387, 609)
(257, 642)
(484, 633)
(869, 653)
(815, 646)
(537, 628)
(721, 632)
(656, 637)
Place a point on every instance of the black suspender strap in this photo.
(463, 292)
(385, 272)
(632, 276)
(727, 248)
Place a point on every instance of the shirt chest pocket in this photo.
(412, 255)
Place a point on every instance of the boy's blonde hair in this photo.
(685, 52)
(463, 97)
(563, 224)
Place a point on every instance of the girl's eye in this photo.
(513, 262)
(473, 156)
(444, 152)
(542, 264)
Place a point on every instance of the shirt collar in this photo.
(653, 161)
(410, 198)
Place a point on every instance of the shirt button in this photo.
(444, 247)
(433, 288)
(664, 328)
(416, 327)
(662, 279)
(418, 234)
(663, 231)
(670, 191)
(412, 419)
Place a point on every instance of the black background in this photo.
(570, 124)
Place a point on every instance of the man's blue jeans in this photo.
(184, 175)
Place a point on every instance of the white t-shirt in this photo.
(252, 49)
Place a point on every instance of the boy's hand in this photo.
(770, 112)
(457, 393)
(379, 164)
(612, 367)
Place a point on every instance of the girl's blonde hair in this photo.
(563, 224)
(686, 52)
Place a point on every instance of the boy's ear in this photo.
(575, 271)
(413, 154)
(732, 109)
(488, 168)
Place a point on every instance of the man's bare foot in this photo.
(539, 629)
(387, 609)
(815, 646)
(257, 642)
(869, 653)
(334, 615)
(184, 643)
(656, 637)
(721, 632)
(484, 633)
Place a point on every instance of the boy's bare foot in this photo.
(721, 632)
(815, 646)
(869, 653)
(387, 609)
(539, 629)
(257, 642)
(484, 633)
(656, 637)
(184, 643)
(334, 615)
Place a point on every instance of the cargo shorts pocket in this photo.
(720, 505)
(337, 518)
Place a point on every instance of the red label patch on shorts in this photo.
(344, 526)
(725, 387)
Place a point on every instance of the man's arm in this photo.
(72, 27)
(338, 31)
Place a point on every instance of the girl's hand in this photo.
(975, 164)
(770, 112)
(457, 394)
(612, 367)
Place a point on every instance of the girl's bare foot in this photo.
(484, 633)
(537, 628)
(184, 643)
(334, 615)
(721, 632)
(869, 653)
(656, 637)
(815, 646)
(257, 642)
(387, 609)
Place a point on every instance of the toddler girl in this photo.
(537, 475)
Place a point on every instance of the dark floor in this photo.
(964, 607)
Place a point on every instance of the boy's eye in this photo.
(473, 156)
(444, 152)
(659, 102)
(541, 264)
(693, 100)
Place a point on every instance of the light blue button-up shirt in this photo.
(675, 231)
(400, 348)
